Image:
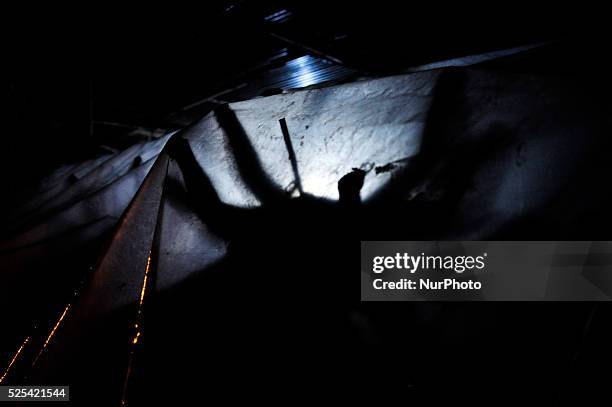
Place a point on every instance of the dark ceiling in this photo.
(78, 79)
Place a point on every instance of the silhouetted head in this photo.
(349, 186)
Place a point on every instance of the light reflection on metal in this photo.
(52, 333)
(278, 17)
(307, 71)
(8, 368)
(137, 327)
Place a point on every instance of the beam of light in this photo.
(8, 368)
(52, 333)
(137, 334)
